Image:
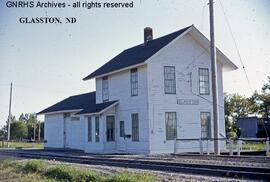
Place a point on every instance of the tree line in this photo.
(237, 106)
(24, 128)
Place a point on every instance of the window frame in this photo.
(89, 129)
(166, 80)
(135, 129)
(208, 129)
(134, 87)
(105, 90)
(97, 130)
(111, 137)
(203, 81)
(166, 126)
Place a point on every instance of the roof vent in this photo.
(148, 34)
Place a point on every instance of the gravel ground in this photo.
(213, 160)
(7, 157)
(160, 176)
(196, 159)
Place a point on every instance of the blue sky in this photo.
(46, 63)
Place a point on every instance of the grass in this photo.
(20, 145)
(249, 146)
(38, 170)
(255, 146)
(12, 172)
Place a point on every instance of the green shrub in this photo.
(10, 163)
(68, 173)
(62, 172)
(87, 176)
(127, 177)
(35, 166)
(43, 172)
(6, 163)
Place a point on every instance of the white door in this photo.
(74, 133)
(122, 142)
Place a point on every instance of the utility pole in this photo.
(39, 131)
(9, 111)
(35, 127)
(214, 79)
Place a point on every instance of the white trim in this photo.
(59, 112)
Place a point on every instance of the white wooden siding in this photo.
(187, 56)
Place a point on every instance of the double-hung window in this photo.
(135, 126)
(205, 125)
(105, 89)
(89, 129)
(134, 81)
(171, 125)
(97, 128)
(169, 80)
(204, 86)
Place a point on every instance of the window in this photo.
(105, 89)
(135, 127)
(97, 128)
(169, 80)
(89, 129)
(122, 128)
(134, 81)
(110, 128)
(204, 81)
(205, 125)
(171, 125)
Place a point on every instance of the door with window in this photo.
(122, 140)
(110, 144)
(110, 130)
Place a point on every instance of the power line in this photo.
(236, 46)
(203, 15)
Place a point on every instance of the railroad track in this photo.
(157, 165)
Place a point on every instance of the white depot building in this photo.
(146, 97)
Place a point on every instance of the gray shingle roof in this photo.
(84, 102)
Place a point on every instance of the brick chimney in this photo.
(148, 34)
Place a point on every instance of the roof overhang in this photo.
(117, 71)
(100, 112)
(59, 112)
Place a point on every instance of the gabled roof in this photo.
(141, 53)
(83, 103)
(135, 55)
